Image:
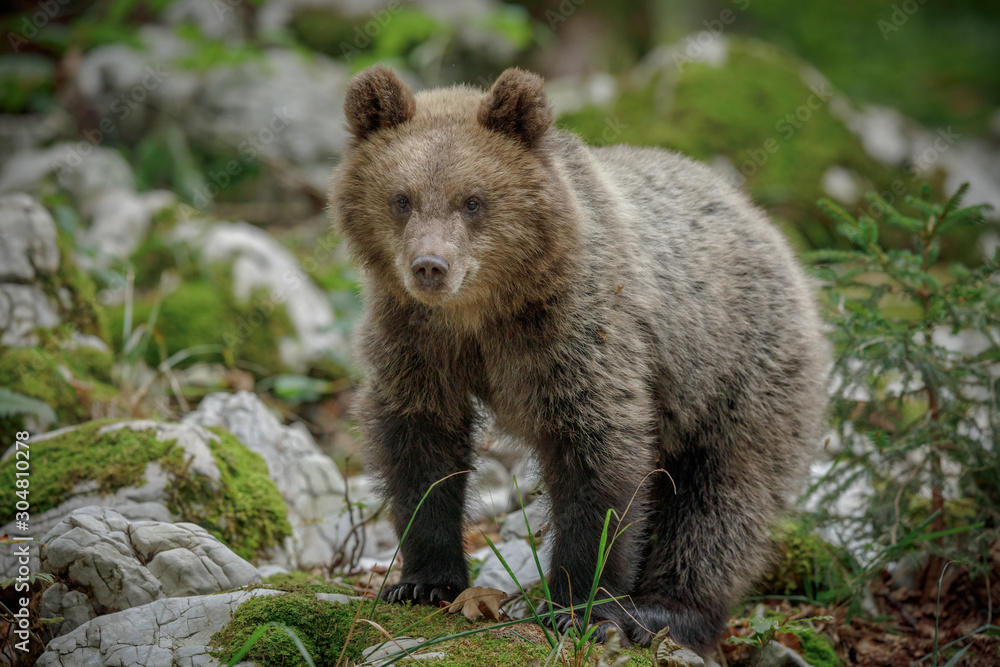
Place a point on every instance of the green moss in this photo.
(34, 372)
(254, 332)
(90, 363)
(205, 312)
(818, 651)
(322, 627)
(499, 647)
(805, 565)
(114, 460)
(247, 512)
(151, 259)
(745, 111)
(326, 31)
(86, 315)
(298, 581)
(866, 50)
(27, 82)
(40, 372)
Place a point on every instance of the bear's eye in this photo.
(472, 206)
(402, 203)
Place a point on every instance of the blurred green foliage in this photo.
(707, 113)
(914, 401)
(27, 83)
(201, 312)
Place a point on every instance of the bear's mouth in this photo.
(445, 293)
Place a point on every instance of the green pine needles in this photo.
(914, 390)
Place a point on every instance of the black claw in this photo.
(419, 593)
(565, 621)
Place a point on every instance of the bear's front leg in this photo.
(411, 452)
(592, 467)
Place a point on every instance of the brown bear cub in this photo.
(621, 309)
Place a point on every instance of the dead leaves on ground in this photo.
(478, 602)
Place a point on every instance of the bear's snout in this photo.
(430, 271)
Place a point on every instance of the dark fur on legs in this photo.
(696, 626)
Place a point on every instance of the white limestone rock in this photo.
(58, 600)
(27, 239)
(130, 563)
(170, 631)
(308, 479)
(261, 263)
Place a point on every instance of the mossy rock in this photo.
(41, 373)
(66, 374)
(205, 312)
(818, 650)
(64, 370)
(247, 513)
(805, 565)
(244, 510)
(323, 627)
(745, 110)
(298, 581)
(69, 284)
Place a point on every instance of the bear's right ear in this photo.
(516, 106)
(377, 99)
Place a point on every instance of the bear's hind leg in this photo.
(706, 541)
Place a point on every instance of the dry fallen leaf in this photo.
(478, 601)
(663, 648)
(612, 655)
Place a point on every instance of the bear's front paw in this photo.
(421, 593)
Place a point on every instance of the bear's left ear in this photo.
(516, 106)
(377, 99)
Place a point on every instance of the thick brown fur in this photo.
(377, 99)
(620, 309)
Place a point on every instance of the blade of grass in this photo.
(958, 656)
(541, 572)
(602, 556)
(517, 583)
(980, 629)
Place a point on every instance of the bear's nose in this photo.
(429, 270)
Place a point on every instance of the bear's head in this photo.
(450, 197)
